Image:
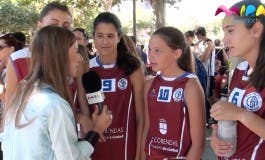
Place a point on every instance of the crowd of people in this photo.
(156, 104)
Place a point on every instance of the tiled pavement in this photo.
(208, 153)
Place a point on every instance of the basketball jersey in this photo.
(249, 145)
(169, 133)
(121, 134)
(21, 60)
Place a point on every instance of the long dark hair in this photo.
(125, 60)
(11, 41)
(174, 38)
(256, 79)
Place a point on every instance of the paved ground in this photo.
(208, 153)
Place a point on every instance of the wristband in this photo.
(92, 137)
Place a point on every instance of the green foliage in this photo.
(16, 18)
(144, 18)
(22, 15)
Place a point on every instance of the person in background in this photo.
(139, 50)
(81, 36)
(221, 82)
(220, 53)
(40, 116)
(201, 74)
(53, 13)
(122, 84)
(78, 89)
(206, 54)
(174, 100)
(56, 14)
(244, 35)
(20, 37)
(8, 44)
(205, 51)
(199, 68)
(82, 39)
(82, 50)
(130, 45)
(142, 54)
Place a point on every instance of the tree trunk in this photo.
(134, 20)
(159, 12)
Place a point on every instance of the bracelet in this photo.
(92, 137)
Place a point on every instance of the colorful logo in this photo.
(244, 10)
(122, 84)
(178, 94)
(252, 102)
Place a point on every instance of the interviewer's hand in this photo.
(220, 148)
(101, 121)
(85, 122)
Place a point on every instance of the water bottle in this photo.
(227, 131)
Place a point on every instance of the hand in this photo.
(222, 110)
(101, 121)
(85, 122)
(220, 148)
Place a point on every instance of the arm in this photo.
(253, 122)
(97, 122)
(228, 111)
(194, 98)
(137, 79)
(146, 119)
(81, 96)
(219, 147)
(83, 68)
(208, 51)
(11, 85)
(61, 127)
(11, 81)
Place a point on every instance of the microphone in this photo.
(92, 85)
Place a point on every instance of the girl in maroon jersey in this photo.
(122, 84)
(244, 35)
(174, 100)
